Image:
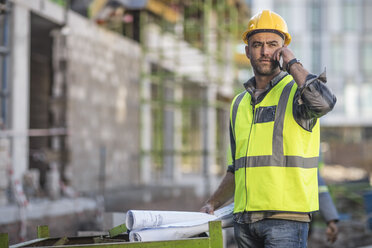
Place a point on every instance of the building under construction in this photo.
(108, 105)
(104, 96)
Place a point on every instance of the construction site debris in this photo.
(339, 173)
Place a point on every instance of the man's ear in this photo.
(247, 52)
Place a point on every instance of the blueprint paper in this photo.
(170, 225)
(167, 233)
(137, 219)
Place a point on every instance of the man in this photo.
(274, 134)
(328, 210)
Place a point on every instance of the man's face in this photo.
(260, 50)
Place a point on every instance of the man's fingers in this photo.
(277, 54)
(207, 209)
(332, 232)
(330, 235)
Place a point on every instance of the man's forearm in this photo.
(224, 191)
(299, 74)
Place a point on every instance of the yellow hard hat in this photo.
(267, 21)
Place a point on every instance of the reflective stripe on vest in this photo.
(295, 173)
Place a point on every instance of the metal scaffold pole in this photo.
(205, 120)
(4, 52)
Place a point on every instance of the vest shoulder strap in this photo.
(234, 109)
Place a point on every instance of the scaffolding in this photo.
(188, 72)
(187, 60)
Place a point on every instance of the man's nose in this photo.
(264, 50)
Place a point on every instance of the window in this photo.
(296, 47)
(315, 16)
(162, 120)
(336, 55)
(284, 10)
(352, 95)
(193, 23)
(316, 57)
(349, 13)
(367, 17)
(191, 128)
(367, 58)
(366, 100)
(157, 128)
(222, 138)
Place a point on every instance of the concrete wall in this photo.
(103, 106)
(103, 97)
(63, 217)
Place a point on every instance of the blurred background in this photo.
(111, 105)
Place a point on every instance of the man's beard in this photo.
(264, 69)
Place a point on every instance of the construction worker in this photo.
(274, 134)
(328, 210)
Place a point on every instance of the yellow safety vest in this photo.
(276, 159)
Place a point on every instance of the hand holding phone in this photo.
(283, 55)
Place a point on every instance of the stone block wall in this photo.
(102, 107)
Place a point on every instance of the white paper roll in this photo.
(171, 225)
(137, 219)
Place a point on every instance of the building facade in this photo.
(136, 97)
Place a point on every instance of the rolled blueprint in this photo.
(167, 233)
(170, 225)
(138, 219)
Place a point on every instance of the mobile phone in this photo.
(280, 63)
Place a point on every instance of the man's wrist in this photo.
(332, 221)
(214, 204)
(291, 62)
(210, 203)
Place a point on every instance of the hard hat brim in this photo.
(287, 37)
